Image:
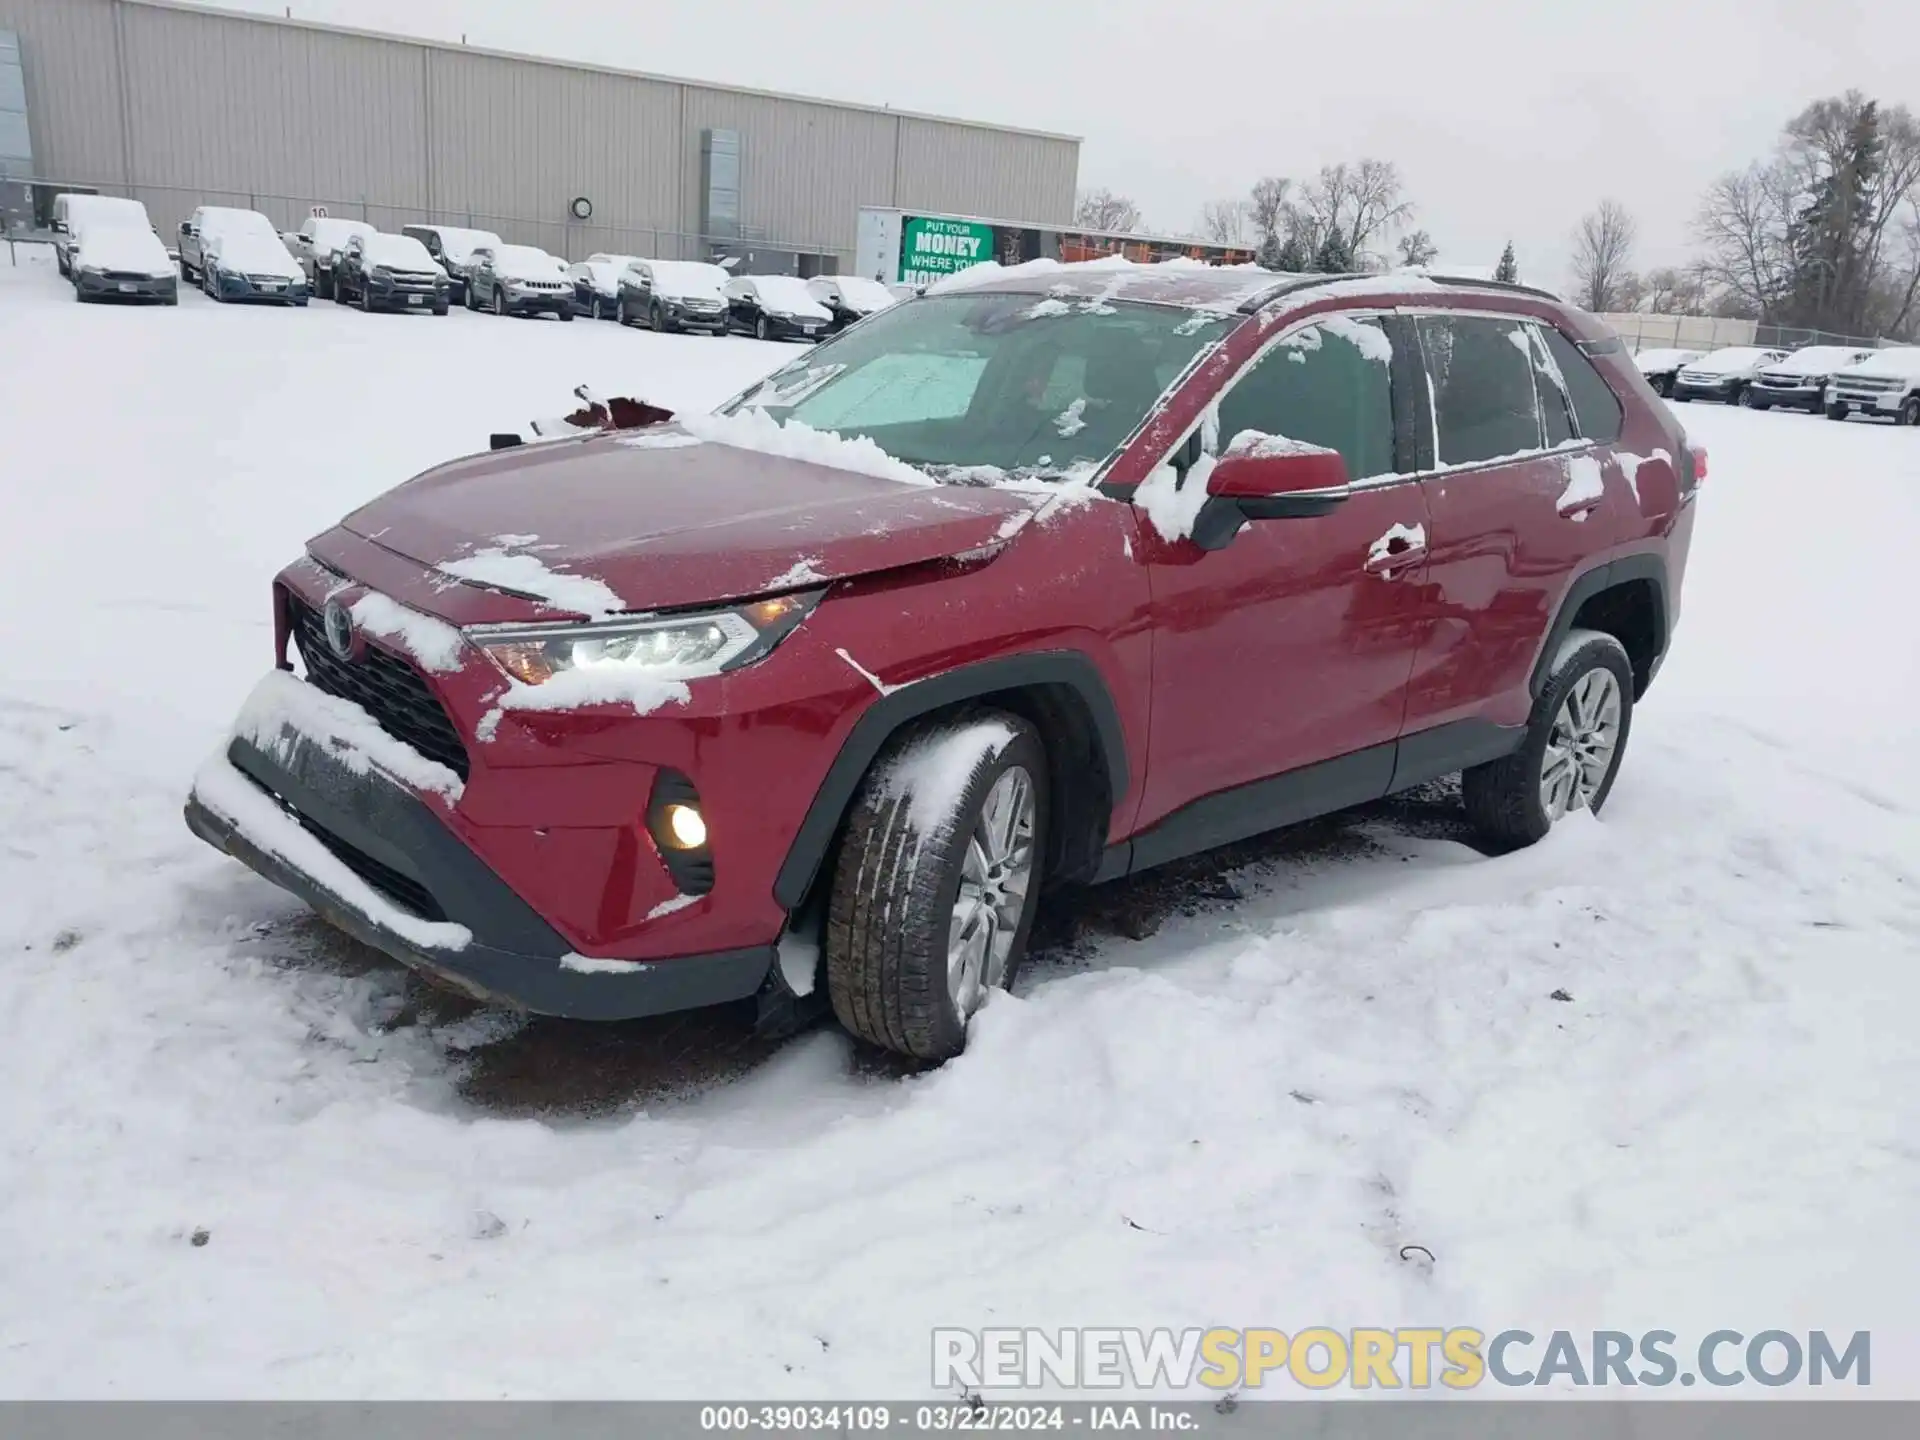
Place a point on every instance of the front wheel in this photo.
(499, 303)
(566, 314)
(762, 330)
(1663, 386)
(1836, 412)
(936, 882)
(1575, 741)
(655, 319)
(1910, 411)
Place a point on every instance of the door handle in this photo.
(1398, 548)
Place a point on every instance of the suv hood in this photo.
(671, 522)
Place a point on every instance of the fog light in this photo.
(686, 829)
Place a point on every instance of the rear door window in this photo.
(1481, 376)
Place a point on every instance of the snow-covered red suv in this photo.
(1053, 575)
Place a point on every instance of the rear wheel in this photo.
(1575, 741)
(936, 882)
(599, 308)
(566, 314)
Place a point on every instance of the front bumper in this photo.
(406, 297)
(558, 302)
(780, 328)
(349, 840)
(1867, 402)
(1802, 397)
(241, 287)
(1722, 390)
(127, 287)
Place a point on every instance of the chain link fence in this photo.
(29, 205)
(1643, 331)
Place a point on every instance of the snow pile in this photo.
(799, 960)
(1172, 504)
(1586, 485)
(235, 798)
(802, 572)
(1370, 340)
(283, 710)
(988, 272)
(588, 685)
(753, 429)
(596, 965)
(436, 645)
(1071, 421)
(1630, 464)
(1259, 445)
(502, 568)
(934, 771)
(662, 439)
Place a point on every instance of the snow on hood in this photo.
(1902, 361)
(123, 247)
(330, 234)
(603, 275)
(589, 527)
(250, 252)
(788, 295)
(863, 294)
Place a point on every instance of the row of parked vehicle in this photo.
(235, 255)
(1838, 380)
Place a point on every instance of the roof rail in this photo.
(1286, 284)
(1513, 285)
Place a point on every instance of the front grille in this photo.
(1871, 384)
(1786, 382)
(117, 275)
(382, 684)
(409, 894)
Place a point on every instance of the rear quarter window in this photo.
(1596, 408)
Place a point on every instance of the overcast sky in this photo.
(1509, 118)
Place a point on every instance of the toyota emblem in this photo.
(339, 625)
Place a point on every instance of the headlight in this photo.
(92, 270)
(672, 647)
(382, 272)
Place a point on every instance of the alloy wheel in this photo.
(995, 872)
(1580, 749)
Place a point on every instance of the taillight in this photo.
(1699, 467)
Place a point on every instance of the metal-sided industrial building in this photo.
(181, 106)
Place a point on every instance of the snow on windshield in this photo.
(459, 244)
(253, 253)
(867, 294)
(1902, 360)
(401, 252)
(787, 291)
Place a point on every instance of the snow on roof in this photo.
(1816, 360)
(1112, 277)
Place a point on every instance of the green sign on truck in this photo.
(932, 249)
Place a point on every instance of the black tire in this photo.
(566, 315)
(323, 285)
(441, 308)
(1910, 411)
(1746, 399)
(1502, 797)
(173, 299)
(468, 298)
(366, 301)
(762, 330)
(499, 301)
(1836, 412)
(895, 887)
(655, 320)
(1663, 385)
(620, 315)
(1739, 396)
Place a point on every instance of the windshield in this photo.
(402, 252)
(458, 245)
(686, 279)
(526, 260)
(1903, 360)
(334, 234)
(1018, 382)
(1731, 359)
(1817, 360)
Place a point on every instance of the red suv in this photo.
(1050, 576)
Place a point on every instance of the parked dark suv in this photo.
(1101, 568)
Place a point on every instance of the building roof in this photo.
(193, 7)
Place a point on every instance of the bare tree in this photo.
(1106, 211)
(1417, 248)
(1267, 209)
(1746, 223)
(1602, 250)
(1226, 222)
(1672, 291)
(1363, 201)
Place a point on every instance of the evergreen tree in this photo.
(1335, 256)
(1507, 272)
(1829, 239)
(1292, 257)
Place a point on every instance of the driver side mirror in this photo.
(1272, 478)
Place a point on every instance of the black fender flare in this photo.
(888, 713)
(1647, 566)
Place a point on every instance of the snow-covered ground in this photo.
(1239, 1121)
